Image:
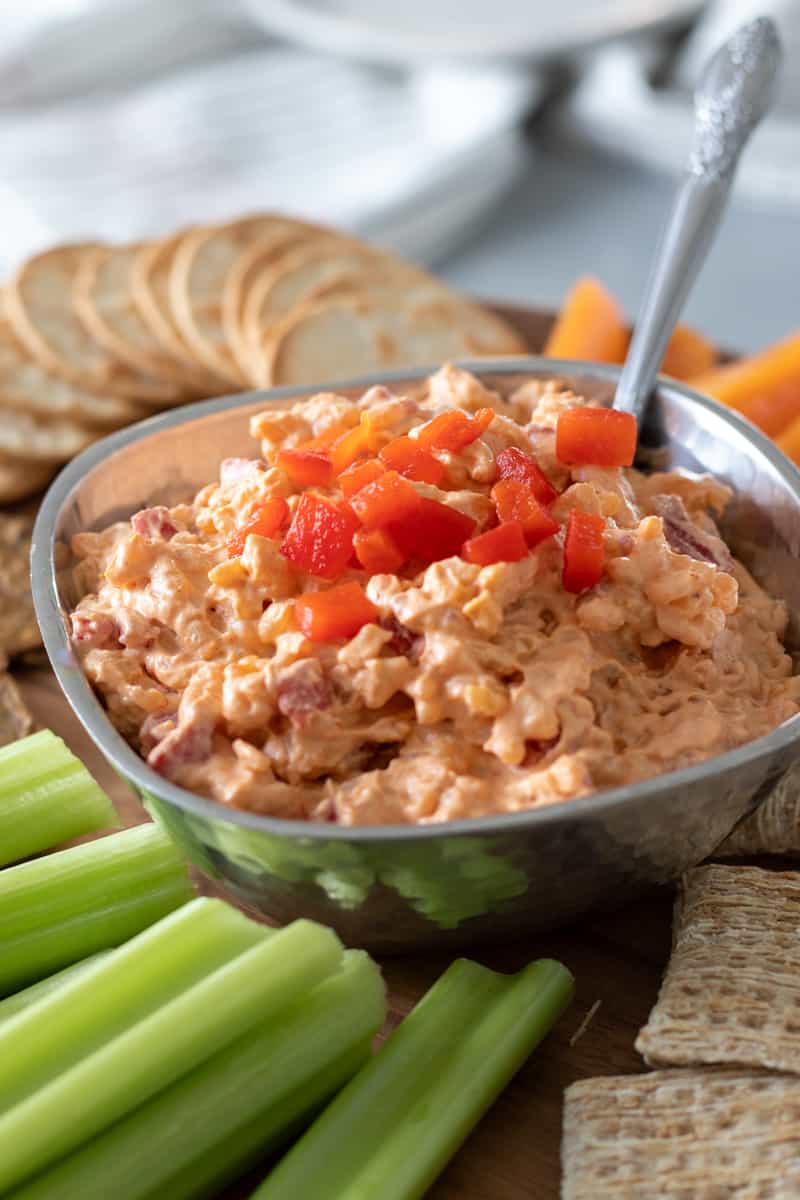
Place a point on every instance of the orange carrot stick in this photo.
(688, 353)
(789, 441)
(591, 325)
(764, 388)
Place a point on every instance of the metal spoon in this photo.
(735, 91)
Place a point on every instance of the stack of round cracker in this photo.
(94, 337)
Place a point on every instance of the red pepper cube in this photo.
(454, 430)
(377, 552)
(389, 498)
(320, 537)
(435, 531)
(515, 464)
(266, 521)
(584, 551)
(598, 437)
(359, 475)
(336, 613)
(516, 501)
(504, 543)
(307, 468)
(408, 458)
(351, 446)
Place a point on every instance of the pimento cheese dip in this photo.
(422, 608)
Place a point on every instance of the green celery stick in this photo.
(68, 905)
(222, 1117)
(122, 989)
(45, 987)
(46, 797)
(397, 1123)
(187, 1030)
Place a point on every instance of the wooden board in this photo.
(617, 960)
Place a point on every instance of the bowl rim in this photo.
(84, 703)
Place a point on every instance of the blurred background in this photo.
(510, 145)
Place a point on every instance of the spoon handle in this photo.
(734, 93)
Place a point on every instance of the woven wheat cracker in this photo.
(686, 1135)
(38, 303)
(18, 628)
(15, 717)
(731, 990)
(774, 828)
(103, 299)
(200, 266)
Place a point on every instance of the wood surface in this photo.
(617, 960)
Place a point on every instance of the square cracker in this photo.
(731, 990)
(18, 628)
(683, 1135)
(774, 828)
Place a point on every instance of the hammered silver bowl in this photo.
(404, 888)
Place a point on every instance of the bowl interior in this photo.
(168, 458)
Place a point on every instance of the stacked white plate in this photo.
(120, 122)
(617, 105)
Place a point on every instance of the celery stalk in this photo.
(12, 1005)
(66, 906)
(46, 797)
(212, 1124)
(163, 1046)
(120, 990)
(397, 1123)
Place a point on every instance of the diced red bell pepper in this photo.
(389, 498)
(377, 552)
(515, 501)
(336, 613)
(454, 430)
(409, 459)
(320, 537)
(598, 437)
(435, 531)
(359, 475)
(307, 468)
(504, 543)
(266, 521)
(323, 440)
(355, 444)
(515, 464)
(584, 551)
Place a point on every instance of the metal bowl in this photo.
(407, 887)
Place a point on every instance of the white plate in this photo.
(410, 160)
(413, 31)
(616, 106)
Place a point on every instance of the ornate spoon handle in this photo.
(735, 91)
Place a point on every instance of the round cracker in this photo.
(381, 328)
(305, 273)
(203, 258)
(104, 303)
(38, 303)
(20, 479)
(25, 438)
(150, 291)
(235, 290)
(25, 386)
